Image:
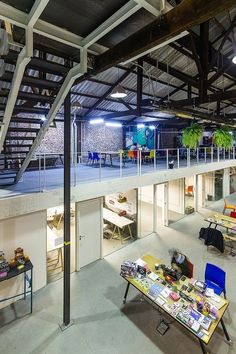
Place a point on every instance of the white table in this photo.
(120, 222)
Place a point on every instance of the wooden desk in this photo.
(120, 222)
(150, 260)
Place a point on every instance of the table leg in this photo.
(130, 231)
(113, 232)
(24, 285)
(225, 331)
(31, 292)
(126, 293)
(111, 160)
(202, 347)
(121, 239)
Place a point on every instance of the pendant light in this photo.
(118, 92)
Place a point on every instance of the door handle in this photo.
(81, 236)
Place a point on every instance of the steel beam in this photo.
(117, 18)
(154, 10)
(35, 12)
(181, 18)
(139, 86)
(122, 78)
(22, 61)
(172, 71)
(20, 19)
(215, 97)
(74, 73)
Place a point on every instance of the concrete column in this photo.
(165, 208)
(226, 182)
(201, 191)
(196, 187)
(155, 208)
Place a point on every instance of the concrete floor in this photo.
(102, 324)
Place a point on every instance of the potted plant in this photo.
(171, 164)
(192, 135)
(223, 138)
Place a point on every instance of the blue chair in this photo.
(215, 279)
(90, 158)
(95, 157)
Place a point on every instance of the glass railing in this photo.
(46, 171)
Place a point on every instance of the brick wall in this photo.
(100, 138)
(53, 140)
(94, 137)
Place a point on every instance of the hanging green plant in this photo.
(223, 138)
(192, 135)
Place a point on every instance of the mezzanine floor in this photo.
(35, 181)
(102, 324)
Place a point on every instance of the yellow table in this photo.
(223, 304)
(222, 220)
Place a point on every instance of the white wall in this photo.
(176, 196)
(146, 194)
(145, 211)
(210, 184)
(28, 232)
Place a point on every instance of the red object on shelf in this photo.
(233, 214)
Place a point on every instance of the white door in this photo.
(89, 226)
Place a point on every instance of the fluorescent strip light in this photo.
(113, 124)
(96, 121)
(234, 59)
(152, 127)
(141, 125)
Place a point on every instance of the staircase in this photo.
(34, 99)
(20, 137)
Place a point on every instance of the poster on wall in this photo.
(140, 136)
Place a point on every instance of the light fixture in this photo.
(152, 127)
(234, 59)
(118, 92)
(43, 118)
(140, 125)
(76, 105)
(96, 121)
(113, 124)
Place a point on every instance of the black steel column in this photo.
(139, 86)
(67, 159)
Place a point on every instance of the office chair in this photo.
(215, 279)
